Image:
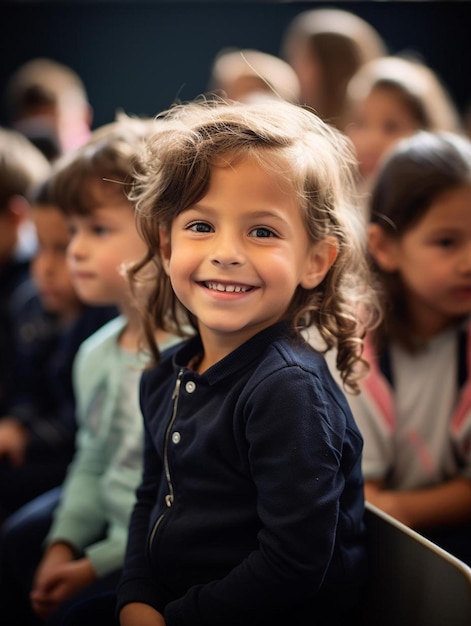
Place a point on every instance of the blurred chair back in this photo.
(412, 581)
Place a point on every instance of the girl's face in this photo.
(49, 266)
(377, 123)
(236, 258)
(433, 259)
(103, 243)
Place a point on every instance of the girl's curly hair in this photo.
(174, 171)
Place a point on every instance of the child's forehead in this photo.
(49, 221)
(271, 160)
(46, 208)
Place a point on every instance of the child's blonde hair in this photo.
(415, 83)
(174, 174)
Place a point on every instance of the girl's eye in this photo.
(261, 231)
(446, 242)
(99, 230)
(200, 227)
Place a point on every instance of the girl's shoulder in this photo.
(294, 359)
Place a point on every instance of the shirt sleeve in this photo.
(80, 516)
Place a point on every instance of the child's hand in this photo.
(14, 438)
(59, 577)
(137, 613)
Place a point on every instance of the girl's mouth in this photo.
(227, 288)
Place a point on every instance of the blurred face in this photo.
(49, 266)
(103, 243)
(236, 257)
(434, 261)
(377, 124)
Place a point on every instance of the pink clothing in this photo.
(427, 444)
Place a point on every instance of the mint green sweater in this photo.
(99, 491)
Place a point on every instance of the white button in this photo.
(176, 437)
(190, 386)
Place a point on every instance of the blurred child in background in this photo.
(48, 103)
(84, 548)
(414, 411)
(37, 430)
(390, 98)
(326, 47)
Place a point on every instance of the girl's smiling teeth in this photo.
(231, 288)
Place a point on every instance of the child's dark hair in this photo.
(316, 160)
(106, 161)
(415, 174)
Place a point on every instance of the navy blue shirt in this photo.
(42, 395)
(251, 505)
(12, 275)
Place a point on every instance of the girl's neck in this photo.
(425, 324)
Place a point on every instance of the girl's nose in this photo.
(76, 247)
(227, 251)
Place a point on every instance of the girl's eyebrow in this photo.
(255, 214)
(451, 228)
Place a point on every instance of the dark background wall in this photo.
(140, 56)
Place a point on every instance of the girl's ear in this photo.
(320, 259)
(165, 248)
(383, 248)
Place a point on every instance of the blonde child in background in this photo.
(85, 545)
(251, 505)
(414, 411)
(391, 98)
(48, 103)
(37, 429)
(246, 75)
(326, 47)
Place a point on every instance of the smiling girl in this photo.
(250, 510)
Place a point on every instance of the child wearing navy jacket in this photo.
(250, 510)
